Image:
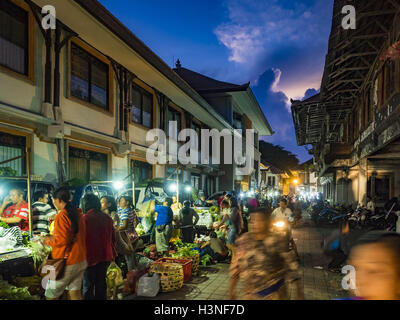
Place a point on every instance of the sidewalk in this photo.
(213, 282)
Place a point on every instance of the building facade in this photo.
(354, 124)
(82, 98)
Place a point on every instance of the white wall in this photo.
(44, 159)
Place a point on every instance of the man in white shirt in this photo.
(282, 212)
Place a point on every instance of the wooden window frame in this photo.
(28, 143)
(83, 146)
(144, 90)
(176, 110)
(30, 76)
(97, 55)
(133, 158)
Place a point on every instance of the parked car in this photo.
(100, 190)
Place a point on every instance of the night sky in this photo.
(278, 45)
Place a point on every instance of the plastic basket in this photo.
(185, 263)
(171, 275)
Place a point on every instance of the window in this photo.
(195, 181)
(142, 108)
(197, 128)
(12, 147)
(142, 171)
(14, 43)
(175, 115)
(89, 78)
(87, 165)
(237, 121)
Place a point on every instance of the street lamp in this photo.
(118, 185)
(173, 187)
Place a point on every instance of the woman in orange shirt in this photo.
(69, 227)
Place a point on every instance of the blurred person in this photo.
(100, 248)
(337, 246)
(164, 228)
(235, 223)
(68, 241)
(122, 244)
(42, 213)
(376, 259)
(128, 223)
(282, 212)
(15, 211)
(220, 199)
(263, 261)
(186, 217)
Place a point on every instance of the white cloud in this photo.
(295, 90)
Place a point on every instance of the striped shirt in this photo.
(20, 210)
(40, 217)
(127, 214)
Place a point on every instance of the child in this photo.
(376, 259)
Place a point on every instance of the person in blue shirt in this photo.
(164, 228)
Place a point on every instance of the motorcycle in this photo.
(283, 228)
(386, 220)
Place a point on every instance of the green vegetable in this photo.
(4, 225)
(205, 259)
(139, 229)
(25, 238)
(38, 253)
(9, 292)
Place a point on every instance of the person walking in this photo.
(100, 248)
(186, 216)
(235, 223)
(163, 226)
(68, 240)
(264, 262)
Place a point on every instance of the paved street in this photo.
(212, 284)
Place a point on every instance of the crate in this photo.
(185, 263)
(171, 275)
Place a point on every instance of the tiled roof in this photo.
(204, 84)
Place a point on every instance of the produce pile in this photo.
(185, 250)
(10, 292)
(39, 253)
(139, 229)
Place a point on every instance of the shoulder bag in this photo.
(57, 264)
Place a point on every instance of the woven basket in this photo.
(195, 263)
(171, 276)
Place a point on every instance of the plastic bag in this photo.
(149, 286)
(114, 276)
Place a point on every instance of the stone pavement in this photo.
(213, 281)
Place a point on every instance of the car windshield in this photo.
(7, 185)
